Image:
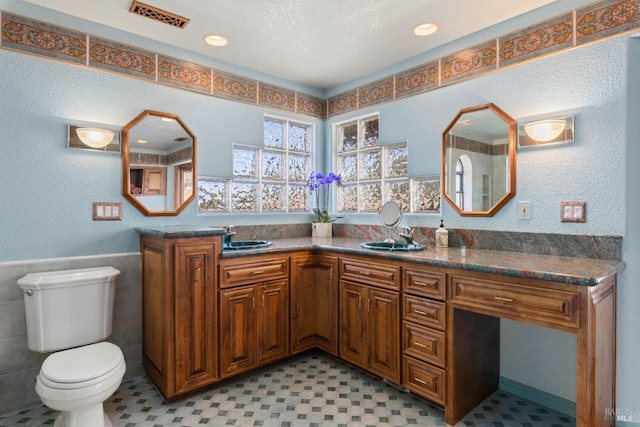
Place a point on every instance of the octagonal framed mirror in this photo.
(479, 160)
(158, 163)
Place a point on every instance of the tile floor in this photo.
(312, 390)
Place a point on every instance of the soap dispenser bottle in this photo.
(442, 236)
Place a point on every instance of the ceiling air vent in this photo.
(158, 14)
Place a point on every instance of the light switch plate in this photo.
(107, 211)
(573, 211)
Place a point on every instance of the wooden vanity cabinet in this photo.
(440, 325)
(370, 316)
(179, 312)
(314, 302)
(254, 313)
(424, 333)
(478, 300)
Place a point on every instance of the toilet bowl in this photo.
(78, 381)
(70, 313)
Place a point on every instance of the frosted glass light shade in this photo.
(95, 137)
(545, 130)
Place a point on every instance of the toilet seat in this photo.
(81, 367)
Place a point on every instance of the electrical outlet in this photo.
(524, 210)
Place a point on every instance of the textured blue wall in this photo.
(46, 190)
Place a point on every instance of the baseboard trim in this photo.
(551, 401)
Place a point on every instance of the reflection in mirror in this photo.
(158, 160)
(478, 160)
(390, 216)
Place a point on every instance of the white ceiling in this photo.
(320, 43)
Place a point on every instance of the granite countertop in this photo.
(180, 231)
(562, 269)
(570, 270)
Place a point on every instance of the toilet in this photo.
(70, 313)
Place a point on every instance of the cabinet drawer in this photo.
(528, 303)
(424, 283)
(424, 311)
(423, 343)
(253, 272)
(424, 380)
(380, 274)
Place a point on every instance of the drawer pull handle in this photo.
(422, 313)
(257, 272)
(365, 273)
(419, 344)
(418, 380)
(503, 299)
(420, 283)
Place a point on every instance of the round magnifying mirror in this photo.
(390, 216)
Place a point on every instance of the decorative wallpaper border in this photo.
(588, 24)
(25, 35)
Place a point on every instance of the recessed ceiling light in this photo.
(425, 29)
(216, 40)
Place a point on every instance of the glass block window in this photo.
(271, 178)
(213, 195)
(426, 194)
(373, 174)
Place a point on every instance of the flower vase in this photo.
(321, 229)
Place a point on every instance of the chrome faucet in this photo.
(407, 235)
(228, 235)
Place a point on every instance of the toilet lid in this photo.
(82, 363)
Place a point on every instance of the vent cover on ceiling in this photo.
(158, 14)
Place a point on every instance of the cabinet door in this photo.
(273, 321)
(384, 333)
(157, 316)
(353, 338)
(314, 303)
(155, 181)
(237, 330)
(195, 316)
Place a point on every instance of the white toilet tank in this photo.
(68, 308)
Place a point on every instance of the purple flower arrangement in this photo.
(316, 181)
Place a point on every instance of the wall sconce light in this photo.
(94, 138)
(557, 130)
(544, 130)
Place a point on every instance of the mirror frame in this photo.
(511, 159)
(126, 176)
